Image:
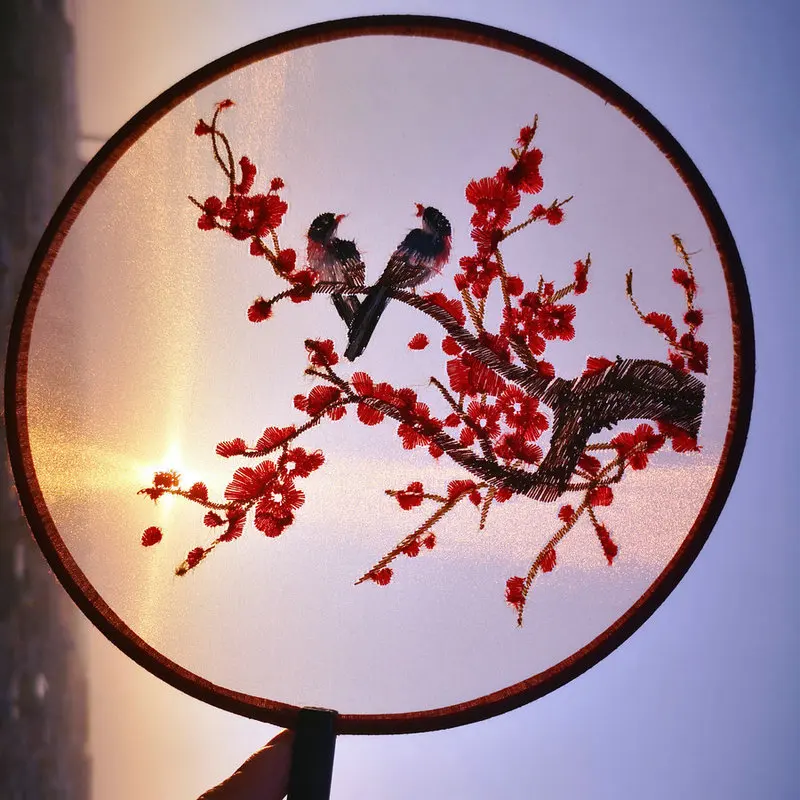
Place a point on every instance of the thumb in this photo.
(264, 776)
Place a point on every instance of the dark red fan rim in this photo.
(283, 714)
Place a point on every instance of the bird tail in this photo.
(365, 321)
(347, 306)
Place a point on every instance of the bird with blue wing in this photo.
(335, 260)
(419, 257)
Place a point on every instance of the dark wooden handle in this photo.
(312, 756)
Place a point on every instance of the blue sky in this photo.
(703, 701)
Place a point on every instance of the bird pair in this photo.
(421, 255)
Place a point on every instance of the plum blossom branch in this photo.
(501, 392)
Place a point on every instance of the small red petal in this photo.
(451, 346)
(548, 561)
(199, 491)
(260, 310)
(382, 576)
(515, 591)
(554, 216)
(369, 415)
(151, 536)
(566, 513)
(234, 447)
(596, 364)
(419, 341)
(601, 496)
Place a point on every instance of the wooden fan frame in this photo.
(100, 613)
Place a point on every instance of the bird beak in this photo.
(339, 218)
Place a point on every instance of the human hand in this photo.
(264, 776)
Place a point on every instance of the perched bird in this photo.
(336, 260)
(419, 257)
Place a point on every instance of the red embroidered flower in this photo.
(494, 200)
(487, 240)
(601, 496)
(286, 261)
(430, 541)
(419, 341)
(637, 446)
(202, 128)
(581, 273)
(369, 415)
(194, 557)
(319, 400)
(236, 517)
(478, 272)
(248, 175)
(589, 464)
(697, 358)
(610, 549)
(662, 323)
(470, 377)
(526, 135)
(554, 215)
(280, 499)
(199, 491)
(382, 576)
(260, 310)
(548, 562)
(515, 592)
(232, 447)
(693, 317)
(524, 175)
(299, 463)
(520, 411)
(321, 353)
(212, 519)
(302, 284)
(515, 285)
(166, 480)
(253, 215)
(486, 417)
(566, 513)
(411, 496)
(455, 488)
(513, 446)
(275, 184)
(273, 437)
(597, 364)
(682, 442)
(452, 306)
(451, 346)
(677, 361)
(538, 211)
(411, 437)
(555, 322)
(272, 523)
(249, 483)
(682, 278)
(412, 548)
(151, 536)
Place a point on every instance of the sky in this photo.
(703, 700)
